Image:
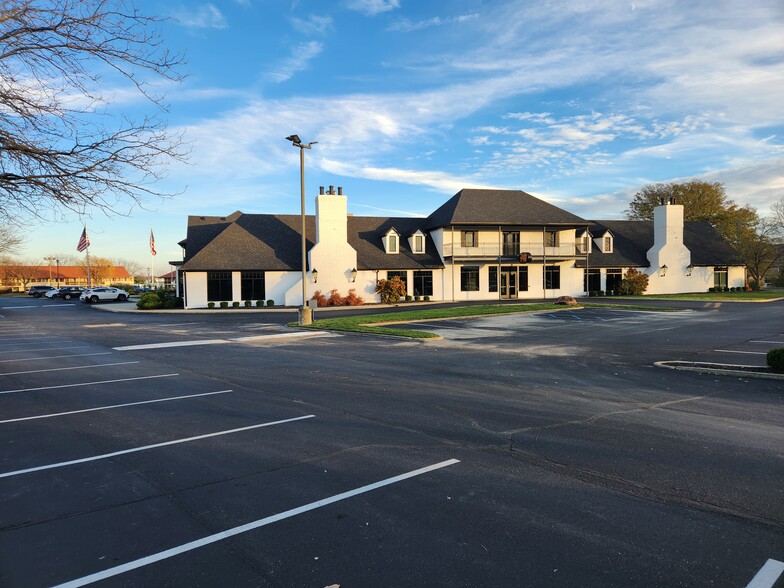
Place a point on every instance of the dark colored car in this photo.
(38, 291)
(66, 292)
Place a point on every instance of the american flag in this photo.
(152, 243)
(84, 241)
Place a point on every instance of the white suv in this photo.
(103, 293)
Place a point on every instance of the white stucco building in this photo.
(479, 245)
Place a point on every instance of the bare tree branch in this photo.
(62, 147)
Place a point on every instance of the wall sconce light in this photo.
(663, 270)
(314, 275)
(354, 275)
(689, 269)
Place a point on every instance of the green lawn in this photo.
(730, 296)
(365, 323)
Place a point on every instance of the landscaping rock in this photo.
(566, 301)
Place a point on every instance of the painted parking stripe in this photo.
(43, 349)
(768, 575)
(58, 414)
(55, 357)
(745, 352)
(36, 342)
(16, 307)
(772, 342)
(78, 367)
(171, 344)
(150, 559)
(222, 341)
(63, 464)
(87, 383)
(37, 339)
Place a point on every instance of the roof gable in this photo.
(503, 207)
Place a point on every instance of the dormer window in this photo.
(607, 244)
(417, 242)
(584, 243)
(392, 241)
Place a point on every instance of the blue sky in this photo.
(579, 103)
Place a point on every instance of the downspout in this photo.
(453, 263)
(498, 275)
(544, 266)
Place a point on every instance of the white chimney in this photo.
(668, 248)
(331, 255)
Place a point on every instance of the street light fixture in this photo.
(305, 315)
(663, 270)
(50, 259)
(354, 275)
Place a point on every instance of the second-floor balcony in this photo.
(490, 249)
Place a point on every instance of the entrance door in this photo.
(508, 277)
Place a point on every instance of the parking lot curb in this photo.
(720, 369)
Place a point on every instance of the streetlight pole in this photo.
(50, 260)
(305, 314)
(58, 273)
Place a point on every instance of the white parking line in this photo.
(78, 367)
(38, 339)
(43, 349)
(746, 352)
(15, 307)
(57, 414)
(55, 357)
(63, 464)
(768, 575)
(36, 342)
(275, 336)
(87, 383)
(773, 342)
(171, 344)
(174, 324)
(150, 559)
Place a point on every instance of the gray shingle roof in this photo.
(633, 239)
(272, 242)
(499, 207)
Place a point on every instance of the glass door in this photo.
(508, 277)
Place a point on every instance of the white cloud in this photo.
(372, 7)
(406, 26)
(313, 24)
(299, 60)
(205, 16)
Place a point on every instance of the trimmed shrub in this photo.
(592, 293)
(248, 303)
(335, 299)
(259, 303)
(609, 293)
(417, 298)
(149, 301)
(320, 299)
(408, 298)
(353, 300)
(210, 305)
(600, 292)
(235, 304)
(224, 304)
(392, 290)
(270, 302)
(426, 298)
(775, 359)
(634, 283)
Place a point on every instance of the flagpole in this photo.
(89, 283)
(152, 258)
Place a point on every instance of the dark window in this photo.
(469, 278)
(720, 276)
(468, 239)
(522, 280)
(219, 286)
(552, 277)
(493, 273)
(423, 283)
(592, 280)
(551, 239)
(614, 279)
(511, 241)
(253, 286)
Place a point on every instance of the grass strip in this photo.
(719, 296)
(365, 324)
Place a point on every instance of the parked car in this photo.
(66, 292)
(38, 291)
(103, 293)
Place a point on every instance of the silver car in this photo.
(103, 293)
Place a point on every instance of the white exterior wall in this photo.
(736, 276)
(196, 283)
(332, 256)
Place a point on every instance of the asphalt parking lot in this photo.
(529, 450)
